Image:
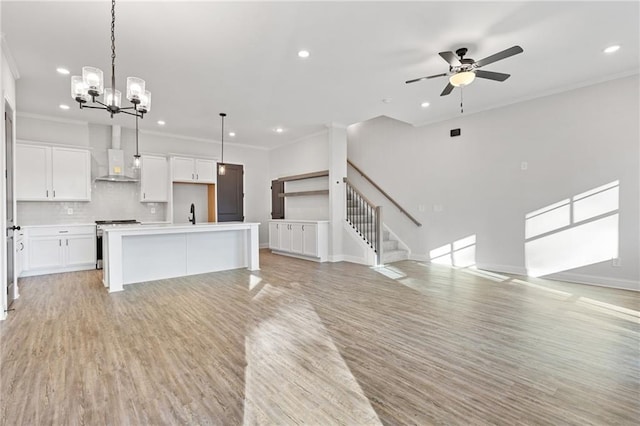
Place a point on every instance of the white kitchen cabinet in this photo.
(193, 170)
(300, 238)
(154, 179)
(274, 236)
(63, 248)
(45, 173)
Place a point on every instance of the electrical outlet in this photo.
(153, 210)
(421, 208)
(69, 210)
(524, 165)
(616, 262)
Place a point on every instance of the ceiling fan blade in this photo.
(425, 78)
(447, 90)
(499, 56)
(490, 75)
(451, 58)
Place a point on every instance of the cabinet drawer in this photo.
(61, 230)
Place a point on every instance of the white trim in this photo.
(544, 94)
(507, 269)
(358, 260)
(300, 139)
(197, 139)
(297, 256)
(57, 270)
(401, 244)
(264, 245)
(51, 118)
(53, 144)
(11, 62)
(595, 280)
(336, 125)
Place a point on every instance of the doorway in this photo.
(231, 194)
(8, 126)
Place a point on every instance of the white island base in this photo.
(152, 252)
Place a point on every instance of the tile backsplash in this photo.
(109, 201)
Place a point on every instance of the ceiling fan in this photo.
(462, 71)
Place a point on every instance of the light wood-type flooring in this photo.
(305, 343)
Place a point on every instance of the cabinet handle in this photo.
(62, 232)
(47, 193)
(60, 243)
(192, 176)
(197, 176)
(67, 243)
(303, 227)
(54, 193)
(21, 246)
(144, 195)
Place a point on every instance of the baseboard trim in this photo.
(419, 257)
(618, 283)
(594, 280)
(354, 259)
(35, 272)
(507, 269)
(264, 245)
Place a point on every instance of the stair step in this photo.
(389, 245)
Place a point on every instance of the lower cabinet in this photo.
(308, 239)
(54, 249)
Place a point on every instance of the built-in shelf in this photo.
(302, 193)
(321, 173)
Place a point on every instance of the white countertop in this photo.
(178, 227)
(298, 221)
(58, 225)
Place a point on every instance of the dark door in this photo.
(8, 125)
(277, 202)
(231, 194)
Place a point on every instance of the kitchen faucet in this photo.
(192, 219)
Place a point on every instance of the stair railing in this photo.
(365, 217)
(382, 191)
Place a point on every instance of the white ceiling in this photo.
(202, 58)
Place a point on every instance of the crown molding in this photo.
(51, 118)
(13, 67)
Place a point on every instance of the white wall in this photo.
(307, 155)
(473, 184)
(185, 194)
(97, 138)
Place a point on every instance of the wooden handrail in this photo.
(383, 192)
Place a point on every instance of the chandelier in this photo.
(90, 85)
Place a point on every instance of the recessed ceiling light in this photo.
(232, 134)
(303, 53)
(161, 123)
(612, 49)
(63, 71)
(63, 106)
(279, 129)
(425, 104)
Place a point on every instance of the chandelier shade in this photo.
(94, 80)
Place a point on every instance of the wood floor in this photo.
(320, 344)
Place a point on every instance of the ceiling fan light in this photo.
(462, 78)
(94, 79)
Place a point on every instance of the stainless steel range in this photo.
(100, 226)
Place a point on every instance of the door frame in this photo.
(3, 200)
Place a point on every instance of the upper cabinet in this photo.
(193, 170)
(45, 173)
(154, 179)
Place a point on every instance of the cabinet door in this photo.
(154, 179)
(79, 250)
(285, 237)
(310, 245)
(205, 171)
(274, 235)
(183, 169)
(33, 173)
(297, 237)
(45, 252)
(71, 175)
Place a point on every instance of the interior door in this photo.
(8, 125)
(277, 202)
(231, 194)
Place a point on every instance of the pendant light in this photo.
(136, 157)
(221, 166)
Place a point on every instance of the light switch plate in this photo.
(69, 211)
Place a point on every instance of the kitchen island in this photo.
(135, 254)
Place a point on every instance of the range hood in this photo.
(116, 160)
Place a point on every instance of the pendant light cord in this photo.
(137, 154)
(113, 52)
(222, 114)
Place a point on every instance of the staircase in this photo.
(363, 217)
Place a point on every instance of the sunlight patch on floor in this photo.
(295, 374)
